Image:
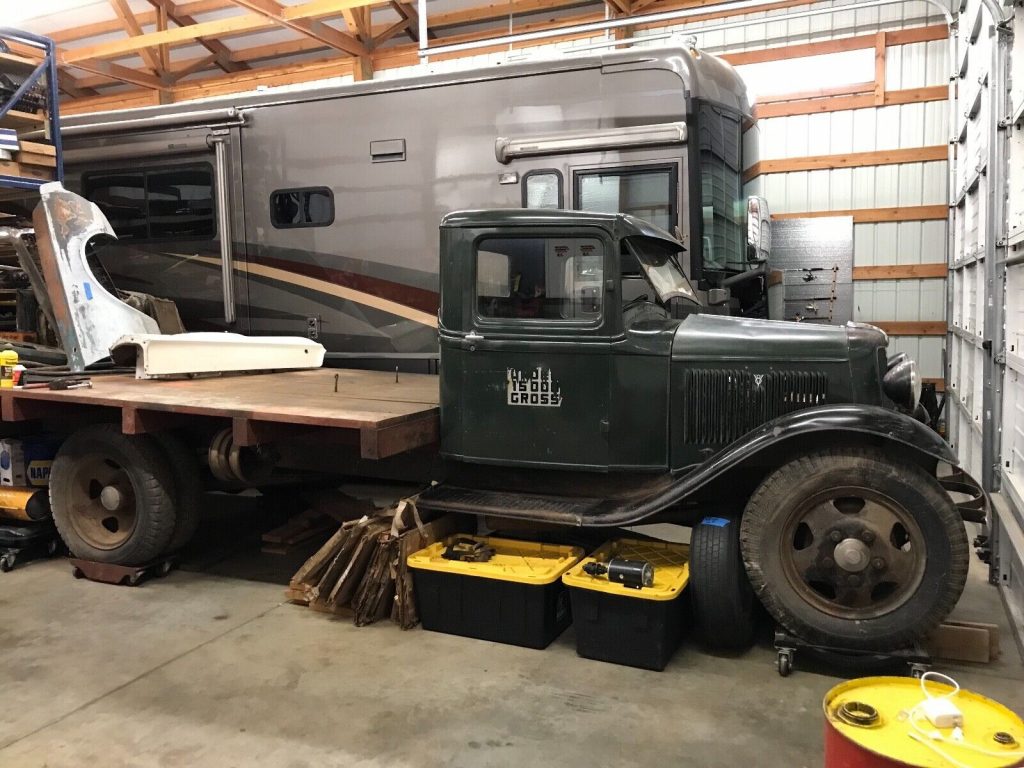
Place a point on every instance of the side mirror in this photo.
(759, 230)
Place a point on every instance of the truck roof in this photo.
(620, 224)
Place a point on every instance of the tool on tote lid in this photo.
(635, 574)
(468, 550)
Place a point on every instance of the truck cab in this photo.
(584, 384)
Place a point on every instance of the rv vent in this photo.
(723, 405)
(387, 151)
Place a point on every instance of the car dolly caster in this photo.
(915, 658)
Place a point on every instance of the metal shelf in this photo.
(31, 73)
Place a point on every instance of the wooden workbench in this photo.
(388, 417)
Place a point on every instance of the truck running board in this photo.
(528, 506)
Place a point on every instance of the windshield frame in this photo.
(667, 278)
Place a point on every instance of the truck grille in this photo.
(722, 405)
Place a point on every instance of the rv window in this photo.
(646, 192)
(170, 203)
(308, 207)
(540, 278)
(542, 189)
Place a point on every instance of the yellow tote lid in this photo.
(525, 562)
(671, 569)
(889, 737)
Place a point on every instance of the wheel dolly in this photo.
(24, 542)
(108, 573)
(916, 658)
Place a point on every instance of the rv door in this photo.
(174, 201)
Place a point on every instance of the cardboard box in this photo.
(27, 462)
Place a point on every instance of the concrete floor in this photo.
(200, 669)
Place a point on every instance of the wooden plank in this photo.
(901, 271)
(141, 421)
(248, 22)
(819, 93)
(317, 30)
(940, 383)
(18, 119)
(964, 641)
(874, 215)
(30, 158)
(849, 160)
(37, 148)
(134, 29)
(359, 399)
(880, 43)
(786, 108)
(836, 45)
(392, 440)
(10, 168)
(912, 327)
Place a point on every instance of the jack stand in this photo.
(108, 573)
(915, 657)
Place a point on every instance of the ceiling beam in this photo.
(124, 74)
(318, 30)
(132, 27)
(212, 44)
(248, 22)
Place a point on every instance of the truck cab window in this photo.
(542, 189)
(647, 192)
(723, 206)
(540, 278)
(307, 207)
(169, 203)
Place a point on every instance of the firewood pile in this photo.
(361, 570)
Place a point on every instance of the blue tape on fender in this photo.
(718, 522)
(88, 291)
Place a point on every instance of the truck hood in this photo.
(720, 338)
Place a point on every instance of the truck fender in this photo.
(891, 426)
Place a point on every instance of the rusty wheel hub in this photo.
(853, 552)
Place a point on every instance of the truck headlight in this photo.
(902, 383)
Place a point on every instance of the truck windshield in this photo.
(723, 206)
(659, 260)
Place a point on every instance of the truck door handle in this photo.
(474, 336)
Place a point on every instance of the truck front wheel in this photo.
(850, 548)
(112, 496)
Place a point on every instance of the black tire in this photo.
(853, 549)
(99, 457)
(723, 600)
(188, 488)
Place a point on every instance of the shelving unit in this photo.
(39, 157)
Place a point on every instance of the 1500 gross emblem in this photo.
(536, 388)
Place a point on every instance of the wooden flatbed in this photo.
(384, 415)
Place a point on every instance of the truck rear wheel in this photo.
(188, 488)
(112, 496)
(850, 548)
(723, 602)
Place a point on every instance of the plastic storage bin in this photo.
(516, 597)
(623, 625)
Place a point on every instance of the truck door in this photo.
(174, 200)
(534, 355)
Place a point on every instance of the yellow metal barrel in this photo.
(880, 722)
(24, 503)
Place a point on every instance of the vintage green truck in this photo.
(583, 384)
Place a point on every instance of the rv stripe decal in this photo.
(407, 295)
(322, 286)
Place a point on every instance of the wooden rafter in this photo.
(248, 22)
(318, 30)
(133, 28)
(212, 44)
